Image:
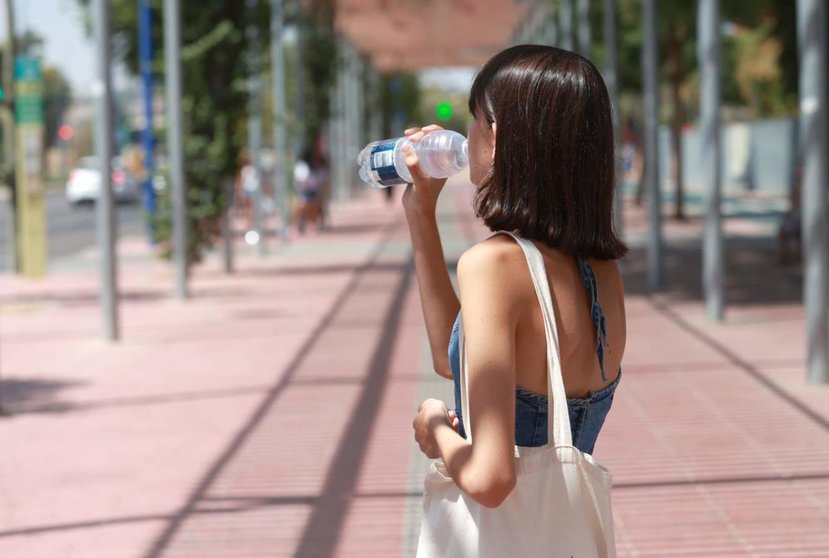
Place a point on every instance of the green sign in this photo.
(28, 89)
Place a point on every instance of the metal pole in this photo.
(175, 141)
(9, 159)
(585, 38)
(9, 133)
(350, 127)
(352, 123)
(342, 124)
(611, 76)
(102, 91)
(299, 52)
(336, 140)
(145, 55)
(359, 110)
(650, 67)
(333, 135)
(282, 159)
(565, 22)
(709, 63)
(255, 127)
(814, 127)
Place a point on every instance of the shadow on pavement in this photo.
(57, 406)
(329, 514)
(753, 275)
(23, 396)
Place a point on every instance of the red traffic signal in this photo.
(66, 132)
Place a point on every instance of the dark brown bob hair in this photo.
(553, 175)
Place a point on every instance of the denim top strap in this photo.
(596, 312)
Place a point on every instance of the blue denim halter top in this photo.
(587, 414)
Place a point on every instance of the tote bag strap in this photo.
(558, 417)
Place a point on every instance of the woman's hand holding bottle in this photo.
(422, 194)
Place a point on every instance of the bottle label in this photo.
(382, 164)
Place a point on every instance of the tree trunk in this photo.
(677, 76)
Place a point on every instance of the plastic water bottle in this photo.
(441, 154)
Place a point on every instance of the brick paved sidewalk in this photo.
(271, 414)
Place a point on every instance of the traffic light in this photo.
(443, 110)
(66, 132)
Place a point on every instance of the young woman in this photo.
(542, 158)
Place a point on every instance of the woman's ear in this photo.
(494, 128)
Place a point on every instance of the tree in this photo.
(214, 54)
(213, 102)
(762, 47)
(775, 20)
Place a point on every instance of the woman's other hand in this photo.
(453, 418)
(430, 414)
(422, 194)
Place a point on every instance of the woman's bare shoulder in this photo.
(497, 261)
(490, 255)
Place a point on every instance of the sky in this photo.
(455, 79)
(66, 45)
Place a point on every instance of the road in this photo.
(72, 229)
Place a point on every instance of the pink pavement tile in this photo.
(219, 424)
(775, 518)
(112, 537)
(136, 424)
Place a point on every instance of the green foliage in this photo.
(215, 55)
(761, 57)
(213, 103)
(677, 42)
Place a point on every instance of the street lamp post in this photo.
(254, 130)
(102, 91)
(282, 176)
(650, 67)
(709, 64)
(175, 140)
(814, 121)
(611, 76)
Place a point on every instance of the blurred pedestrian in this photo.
(246, 187)
(310, 180)
(631, 152)
(542, 305)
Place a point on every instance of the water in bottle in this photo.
(441, 154)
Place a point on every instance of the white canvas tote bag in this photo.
(560, 506)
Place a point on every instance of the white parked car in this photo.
(84, 183)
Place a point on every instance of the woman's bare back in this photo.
(577, 333)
